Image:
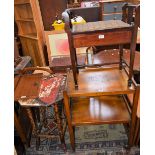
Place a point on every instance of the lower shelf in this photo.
(97, 110)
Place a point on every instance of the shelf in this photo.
(21, 2)
(25, 20)
(96, 82)
(96, 110)
(30, 36)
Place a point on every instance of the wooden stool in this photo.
(38, 106)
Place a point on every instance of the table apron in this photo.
(102, 38)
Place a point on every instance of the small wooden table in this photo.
(44, 100)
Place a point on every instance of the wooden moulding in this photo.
(97, 110)
(97, 82)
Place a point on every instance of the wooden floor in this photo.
(97, 110)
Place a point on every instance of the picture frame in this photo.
(57, 44)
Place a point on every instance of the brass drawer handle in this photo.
(101, 36)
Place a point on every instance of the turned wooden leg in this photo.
(43, 113)
(60, 126)
(36, 115)
(68, 115)
(35, 131)
(133, 116)
(120, 56)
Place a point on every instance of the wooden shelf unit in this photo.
(100, 98)
(30, 30)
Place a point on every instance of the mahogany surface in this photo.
(110, 38)
(112, 56)
(96, 82)
(98, 110)
(27, 86)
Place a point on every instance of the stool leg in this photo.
(60, 126)
(20, 129)
(35, 132)
(43, 113)
(68, 115)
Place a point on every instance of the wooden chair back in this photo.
(131, 14)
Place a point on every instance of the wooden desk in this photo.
(112, 32)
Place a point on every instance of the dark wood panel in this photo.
(49, 9)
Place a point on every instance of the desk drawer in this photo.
(102, 38)
(112, 7)
(112, 16)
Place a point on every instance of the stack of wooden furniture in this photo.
(111, 9)
(99, 95)
(30, 29)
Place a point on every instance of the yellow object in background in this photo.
(78, 20)
(58, 25)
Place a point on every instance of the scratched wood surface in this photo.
(96, 82)
(27, 86)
